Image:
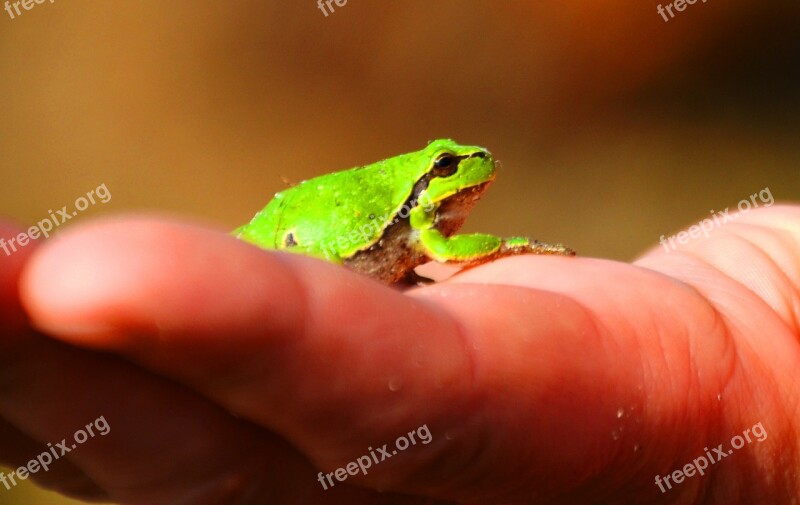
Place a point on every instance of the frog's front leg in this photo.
(477, 248)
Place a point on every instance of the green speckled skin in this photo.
(386, 218)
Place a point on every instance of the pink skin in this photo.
(541, 379)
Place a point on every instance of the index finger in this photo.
(306, 348)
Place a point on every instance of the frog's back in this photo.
(335, 215)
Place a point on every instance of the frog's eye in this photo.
(444, 160)
(446, 164)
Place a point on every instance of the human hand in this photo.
(231, 375)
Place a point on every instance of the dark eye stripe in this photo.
(419, 187)
(445, 165)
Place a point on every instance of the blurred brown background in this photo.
(614, 127)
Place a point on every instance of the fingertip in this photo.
(107, 275)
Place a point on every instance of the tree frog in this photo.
(385, 219)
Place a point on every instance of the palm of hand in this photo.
(547, 380)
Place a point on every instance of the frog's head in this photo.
(453, 168)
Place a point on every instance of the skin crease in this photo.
(541, 379)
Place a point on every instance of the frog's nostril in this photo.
(479, 154)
